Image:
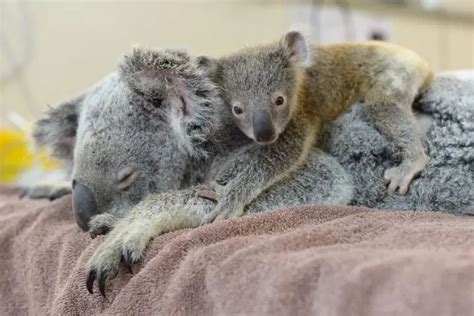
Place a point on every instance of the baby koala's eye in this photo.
(237, 110)
(279, 100)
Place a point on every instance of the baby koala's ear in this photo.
(297, 47)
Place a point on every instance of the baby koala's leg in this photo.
(391, 110)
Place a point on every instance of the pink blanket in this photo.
(313, 260)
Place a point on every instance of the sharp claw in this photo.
(126, 258)
(103, 230)
(126, 263)
(99, 231)
(90, 281)
(101, 280)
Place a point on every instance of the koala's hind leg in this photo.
(47, 190)
(390, 106)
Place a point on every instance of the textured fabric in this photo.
(315, 260)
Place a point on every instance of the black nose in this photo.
(84, 205)
(263, 127)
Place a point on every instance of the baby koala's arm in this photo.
(258, 167)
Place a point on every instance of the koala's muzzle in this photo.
(84, 205)
(263, 128)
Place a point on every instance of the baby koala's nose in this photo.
(263, 128)
(84, 204)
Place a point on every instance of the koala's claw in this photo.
(124, 245)
(101, 224)
(401, 176)
(127, 259)
(127, 262)
(101, 278)
(90, 281)
(102, 230)
(101, 275)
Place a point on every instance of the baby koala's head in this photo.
(260, 84)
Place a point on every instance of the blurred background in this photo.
(52, 50)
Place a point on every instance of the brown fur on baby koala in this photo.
(282, 94)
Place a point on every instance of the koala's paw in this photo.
(126, 244)
(224, 210)
(401, 176)
(205, 191)
(47, 191)
(101, 224)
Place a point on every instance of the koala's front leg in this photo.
(47, 190)
(251, 171)
(127, 241)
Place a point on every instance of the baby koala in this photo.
(282, 94)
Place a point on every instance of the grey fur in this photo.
(447, 183)
(282, 105)
(120, 127)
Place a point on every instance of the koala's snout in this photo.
(263, 128)
(84, 204)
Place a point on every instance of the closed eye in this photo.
(125, 178)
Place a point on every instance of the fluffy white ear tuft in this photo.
(297, 47)
(56, 130)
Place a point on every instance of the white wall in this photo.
(76, 43)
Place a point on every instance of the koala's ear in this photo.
(151, 72)
(296, 46)
(57, 129)
(207, 64)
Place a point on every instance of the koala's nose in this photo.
(84, 204)
(263, 128)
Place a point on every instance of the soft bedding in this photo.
(310, 260)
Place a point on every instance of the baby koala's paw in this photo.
(125, 243)
(401, 176)
(101, 224)
(51, 191)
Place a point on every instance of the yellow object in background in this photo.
(16, 155)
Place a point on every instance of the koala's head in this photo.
(261, 84)
(133, 133)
